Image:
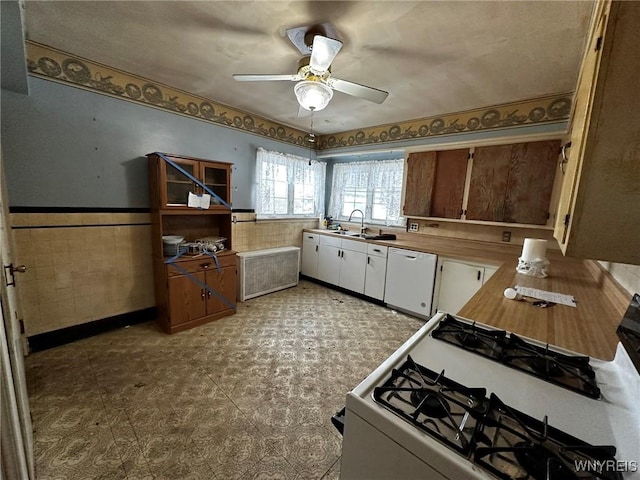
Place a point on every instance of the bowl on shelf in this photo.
(172, 245)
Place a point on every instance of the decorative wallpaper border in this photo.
(540, 110)
(52, 64)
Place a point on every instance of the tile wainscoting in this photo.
(83, 267)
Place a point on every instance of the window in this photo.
(288, 186)
(375, 187)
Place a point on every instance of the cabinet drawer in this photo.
(331, 240)
(310, 237)
(202, 263)
(377, 250)
(354, 245)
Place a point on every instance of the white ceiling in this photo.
(433, 57)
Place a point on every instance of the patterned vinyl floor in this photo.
(246, 397)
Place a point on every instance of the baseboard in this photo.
(361, 296)
(44, 341)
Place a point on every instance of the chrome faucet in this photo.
(362, 227)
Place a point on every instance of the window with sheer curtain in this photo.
(287, 186)
(375, 187)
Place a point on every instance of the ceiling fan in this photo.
(315, 84)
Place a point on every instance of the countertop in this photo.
(588, 328)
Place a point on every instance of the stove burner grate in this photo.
(513, 445)
(434, 403)
(471, 337)
(568, 371)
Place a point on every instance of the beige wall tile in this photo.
(627, 275)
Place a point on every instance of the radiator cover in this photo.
(265, 271)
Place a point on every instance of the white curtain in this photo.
(374, 187)
(287, 185)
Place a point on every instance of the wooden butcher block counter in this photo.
(588, 328)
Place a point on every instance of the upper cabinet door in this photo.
(488, 187)
(448, 188)
(513, 183)
(419, 181)
(435, 183)
(175, 185)
(531, 175)
(216, 177)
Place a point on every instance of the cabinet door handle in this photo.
(202, 294)
(368, 260)
(564, 160)
(205, 265)
(479, 275)
(316, 248)
(208, 294)
(338, 252)
(376, 250)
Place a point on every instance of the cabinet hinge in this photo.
(567, 217)
(598, 44)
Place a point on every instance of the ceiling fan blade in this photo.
(357, 90)
(323, 52)
(264, 78)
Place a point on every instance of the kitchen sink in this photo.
(366, 236)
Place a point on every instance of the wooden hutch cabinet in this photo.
(191, 290)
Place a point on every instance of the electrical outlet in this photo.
(506, 236)
(413, 227)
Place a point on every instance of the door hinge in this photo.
(598, 44)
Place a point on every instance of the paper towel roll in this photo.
(534, 248)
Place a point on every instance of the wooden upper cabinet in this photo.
(435, 183)
(419, 183)
(533, 168)
(513, 183)
(488, 187)
(599, 209)
(448, 189)
(172, 185)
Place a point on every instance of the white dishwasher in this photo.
(410, 280)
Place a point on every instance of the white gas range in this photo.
(434, 410)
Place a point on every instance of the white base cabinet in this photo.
(376, 271)
(342, 262)
(310, 254)
(354, 265)
(457, 282)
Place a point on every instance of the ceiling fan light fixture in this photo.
(312, 96)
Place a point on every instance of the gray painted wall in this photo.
(67, 147)
(14, 66)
